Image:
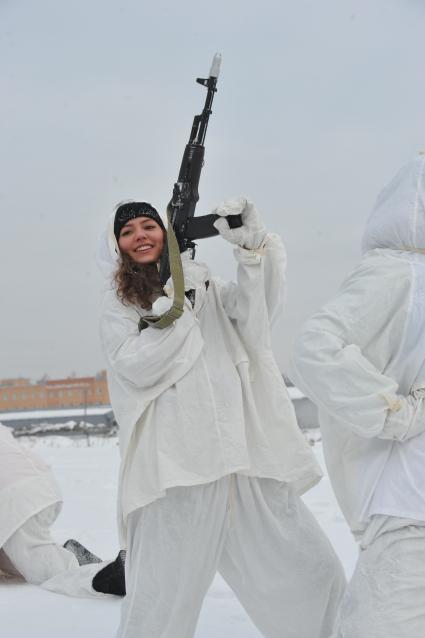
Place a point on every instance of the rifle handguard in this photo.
(203, 226)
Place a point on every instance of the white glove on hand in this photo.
(161, 306)
(252, 232)
(196, 274)
(408, 420)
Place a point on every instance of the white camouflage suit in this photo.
(361, 360)
(213, 461)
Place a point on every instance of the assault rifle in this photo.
(181, 208)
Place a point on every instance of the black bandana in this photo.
(131, 210)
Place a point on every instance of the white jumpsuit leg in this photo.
(386, 595)
(41, 561)
(172, 554)
(262, 539)
(279, 562)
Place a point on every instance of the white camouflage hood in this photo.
(398, 218)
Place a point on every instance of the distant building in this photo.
(20, 394)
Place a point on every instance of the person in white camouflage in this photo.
(30, 501)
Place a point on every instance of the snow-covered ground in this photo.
(86, 469)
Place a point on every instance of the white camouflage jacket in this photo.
(204, 398)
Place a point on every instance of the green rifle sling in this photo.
(176, 269)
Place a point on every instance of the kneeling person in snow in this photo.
(361, 359)
(212, 459)
(30, 502)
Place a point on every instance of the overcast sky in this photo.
(319, 103)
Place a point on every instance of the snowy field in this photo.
(86, 471)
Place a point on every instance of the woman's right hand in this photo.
(196, 274)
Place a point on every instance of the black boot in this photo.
(82, 554)
(111, 579)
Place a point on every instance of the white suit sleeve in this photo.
(147, 358)
(407, 419)
(257, 298)
(329, 365)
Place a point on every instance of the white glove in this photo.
(196, 274)
(161, 306)
(252, 232)
(407, 419)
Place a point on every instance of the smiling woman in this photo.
(142, 239)
(140, 234)
(212, 460)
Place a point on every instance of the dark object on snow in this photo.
(111, 579)
(181, 208)
(82, 554)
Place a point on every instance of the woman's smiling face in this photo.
(142, 239)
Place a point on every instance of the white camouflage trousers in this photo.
(261, 538)
(41, 561)
(386, 595)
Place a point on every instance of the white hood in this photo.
(398, 218)
(107, 253)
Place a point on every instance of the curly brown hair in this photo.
(137, 284)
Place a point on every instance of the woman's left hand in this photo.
(252, 232)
